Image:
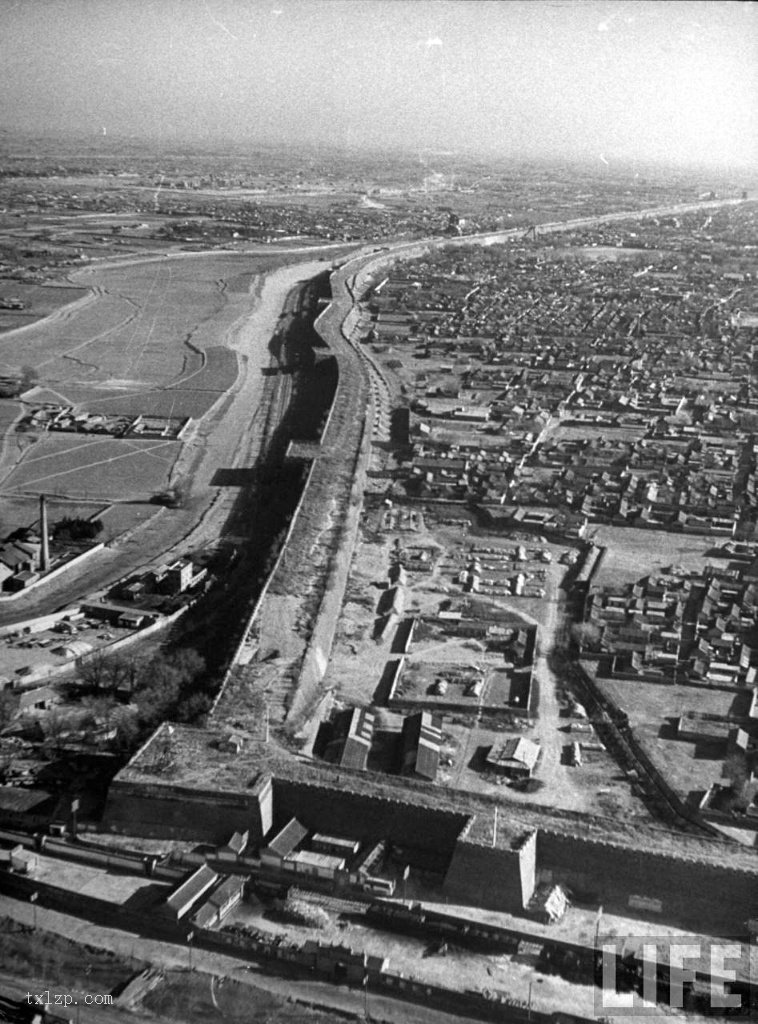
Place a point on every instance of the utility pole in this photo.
(74, 816)
(494, 829)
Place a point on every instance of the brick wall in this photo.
(428, 835)
(177, 813)
(692, 894)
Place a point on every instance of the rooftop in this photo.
(288, 839)
(518, 750)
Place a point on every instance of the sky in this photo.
(611, 79)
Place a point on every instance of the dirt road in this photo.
(560, 786)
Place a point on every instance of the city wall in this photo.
(331, 328)
(426, 836)
(179, 812)
(322, 637)
(692, 894)
(242, 643)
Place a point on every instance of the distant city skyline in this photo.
(674, 81)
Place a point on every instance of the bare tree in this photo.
(54, 726)
(8, 707)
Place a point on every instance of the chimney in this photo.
(44, 556)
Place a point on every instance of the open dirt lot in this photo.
(32, 658)
(359, 656)
(184, 997)
(567, 431)
(622, 563)
(688, 766)
(596, 786)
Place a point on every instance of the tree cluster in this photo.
(163, 686)
(72, 530)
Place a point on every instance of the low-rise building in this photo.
(318, 865)
(516, 758)
(283, 845)
(186, 895)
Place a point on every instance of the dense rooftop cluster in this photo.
(698, 629)
(610, 375)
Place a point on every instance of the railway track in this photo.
(332, 904)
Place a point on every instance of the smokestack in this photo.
(44, 557)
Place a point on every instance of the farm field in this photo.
(41, 300)
(83, 466)
(145, 324)
(9, 410)
(136, 330)
(193, 396)
(117, 519)
(158, 338)
(12, 443)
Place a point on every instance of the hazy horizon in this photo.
(653, 81)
